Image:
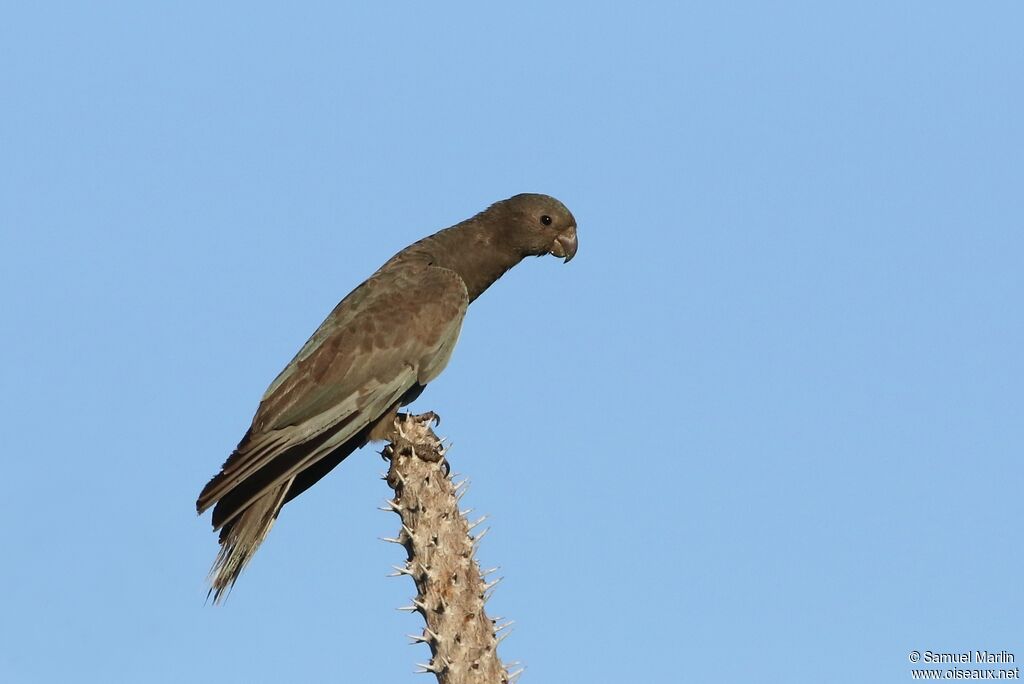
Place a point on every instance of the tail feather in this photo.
(245, 515)
(240, 538)
(245, 512)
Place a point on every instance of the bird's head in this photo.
(540, 225)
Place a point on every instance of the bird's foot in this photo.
(413, 436)
(421, 418)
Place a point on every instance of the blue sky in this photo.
(767, 426)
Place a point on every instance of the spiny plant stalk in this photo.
(451, 590)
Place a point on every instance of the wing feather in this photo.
(395, 330)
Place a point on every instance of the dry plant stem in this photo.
(450, 590)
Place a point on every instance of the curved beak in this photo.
(565, 244)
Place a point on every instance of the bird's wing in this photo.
(395, 330)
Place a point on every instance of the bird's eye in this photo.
(546, 220)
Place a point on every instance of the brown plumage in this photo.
(375, 352)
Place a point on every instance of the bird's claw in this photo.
(427, 417)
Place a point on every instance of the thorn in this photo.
(493, 583)
(504, 626)
(460, 484)
(406, 529)
(391, 540)
(514, 677)
(466, 512)
(400, 571)
(482, 518)
(392, 506)
(427, 637)
(432, 667)
(416, 605)
(480, 536)
(400, 477)
(487, 572)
